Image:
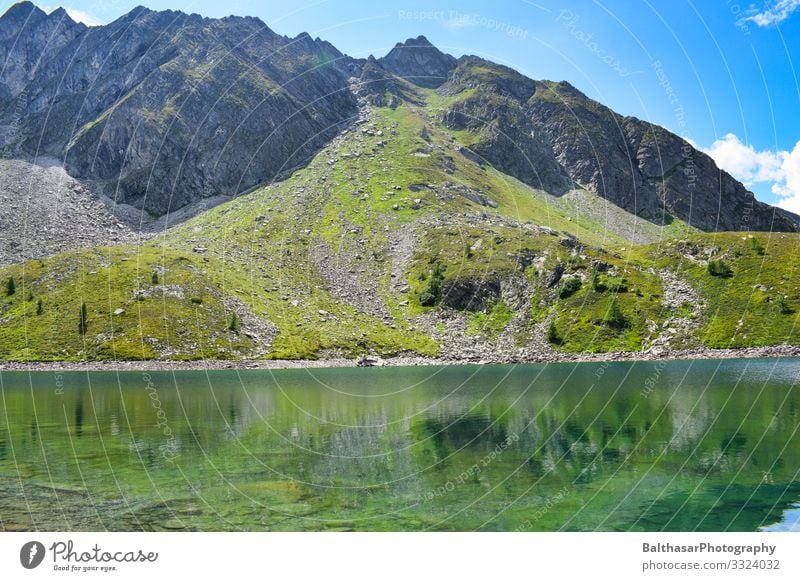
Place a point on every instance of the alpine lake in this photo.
(706, 445)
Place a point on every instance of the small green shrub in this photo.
(39, 307)
(569, 287)
(11, 286)
(196, 300)
(553, 335)
(597, 283)
(431, 292)
(576, 262)
(719, 268)
(426, 299)
(618, 285)
(756, 246)
(615, 317)
(783, 306)
(233, 323)
(154, 277)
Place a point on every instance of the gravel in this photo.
(551, 357)
(44, 211)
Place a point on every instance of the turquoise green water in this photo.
(704, 445)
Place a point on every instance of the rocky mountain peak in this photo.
(28, 37)
(140, 11)
(419, 42)
(21, 11)
(420, 62)
(29, 16)
(553, 137)
(60, 13)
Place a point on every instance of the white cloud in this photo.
(790, 189)
(77, 15)
(777, 12)
(781, 169)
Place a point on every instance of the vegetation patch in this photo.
(492, 322)
(746, 309)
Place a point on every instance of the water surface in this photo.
(703, 445)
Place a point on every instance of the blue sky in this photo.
(718, 72)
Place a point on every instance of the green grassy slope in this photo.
(758, 303)
(336, 261)
(181, 315)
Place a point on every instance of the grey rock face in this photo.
(381, 88)
(418, 61)
(643, 168)
(470, 294)
(551, 136)
(28, 38)
(164, 108)
(497, 112)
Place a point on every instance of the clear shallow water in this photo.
(703, 445)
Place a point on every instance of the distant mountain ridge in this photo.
(162, 109)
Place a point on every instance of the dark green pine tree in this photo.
(82, 322)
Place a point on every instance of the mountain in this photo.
(418, 61)
(413, 204)
(28, 39)
(162, 109)
(553, 137)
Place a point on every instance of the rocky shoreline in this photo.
(410, 361)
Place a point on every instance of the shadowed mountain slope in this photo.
(165, 108)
